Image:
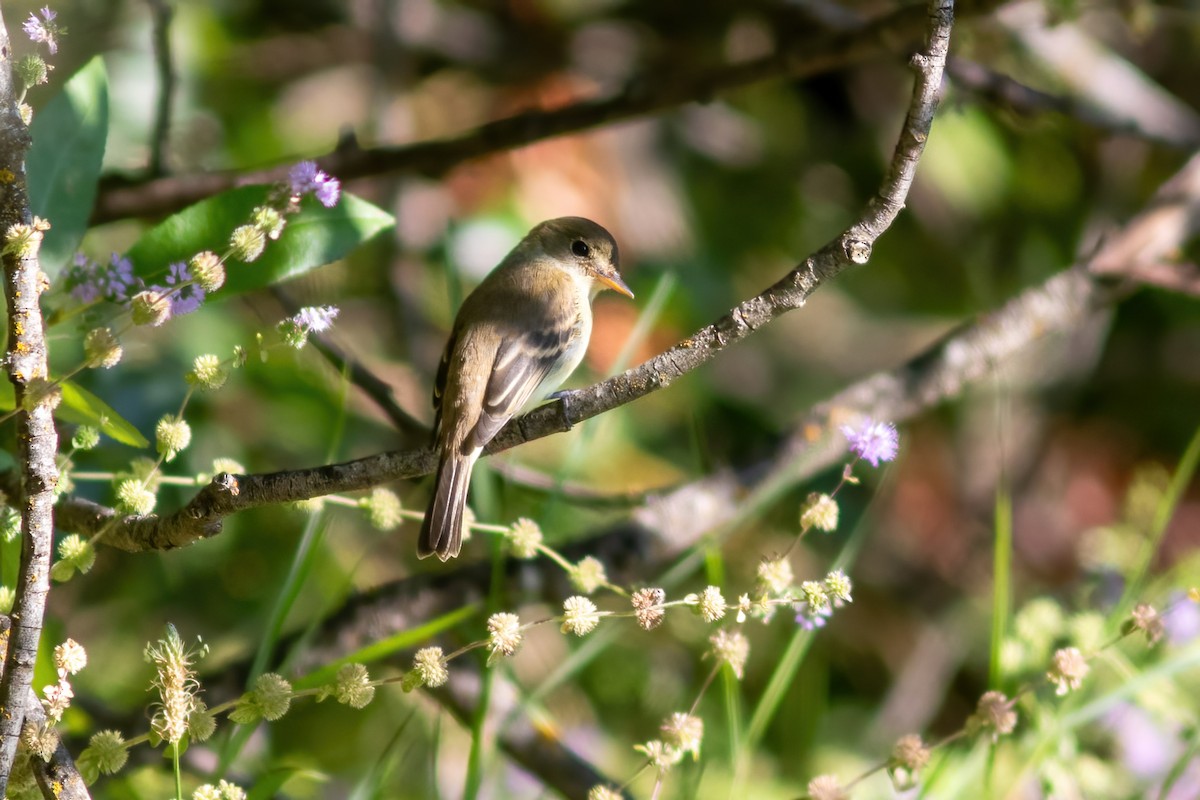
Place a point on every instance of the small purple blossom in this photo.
(315, 319)
(873, 441)
(43, 30)
(88, 281)
(185, 295)
(810, 619)
(328, 192)
(305, 178)
(1182, 619)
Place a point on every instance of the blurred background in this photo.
(711, 201)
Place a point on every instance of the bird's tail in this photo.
(441, 532)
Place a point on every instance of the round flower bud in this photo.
(267, 220)
(430, 665)
(172, 435)
(820, 511)
(525, 537)
(353, 686)
(208, 271)
(709, 604)
(504, 635)
(383, 508)
(101, 348)
(588, 575)
(150, 307)
(135, 498)
(579, 615)
(246, 243)
(86, 438)
(208, 372)
(32, 70)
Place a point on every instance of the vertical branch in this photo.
(37, 440)
(162, 13)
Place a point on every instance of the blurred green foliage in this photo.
(725, 196)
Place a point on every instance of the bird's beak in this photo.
(615, 283)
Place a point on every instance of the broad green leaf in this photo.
(83, 408)
(64, 161)
(313, 237)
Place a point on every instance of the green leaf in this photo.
(313, 237)
(83, 408)
(63, 163)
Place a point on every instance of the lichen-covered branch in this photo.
(37, 441)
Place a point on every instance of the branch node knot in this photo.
(857, 250)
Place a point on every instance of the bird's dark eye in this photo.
(580, 248)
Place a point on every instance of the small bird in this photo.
(516, 338)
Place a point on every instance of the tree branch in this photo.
(37, 440)
(819, 52)
(161, 13)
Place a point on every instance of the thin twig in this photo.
(37, 440)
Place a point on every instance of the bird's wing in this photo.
(439, 383)
(522, 362)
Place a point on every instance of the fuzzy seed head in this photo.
(430, 664)
(246, 243)
(1067, 670)
(135, 498)
(820, 511)
(208, 372)
(580, 616)
(775, 575)
(993, 714)
(101, 348)
(588, 575)
(709, 604)
(353, 686)
(827, 787)
(684, 732)
(525, 537)
(150, 307)
(731, 647)
(70, 657)
(647, 607)
(383, 508)
(504, 635)
(838, 588)
(1145, 618)
(172, 434)
(207, 270)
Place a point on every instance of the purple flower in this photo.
(178, 273)
(811, 620)
(873, 441)
(43, 30)
(302, 178)
(89, 281)
(305, 178)
(185, 295)
(119, 282)
(328, 191)
(1183, 619)
(315, 318)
